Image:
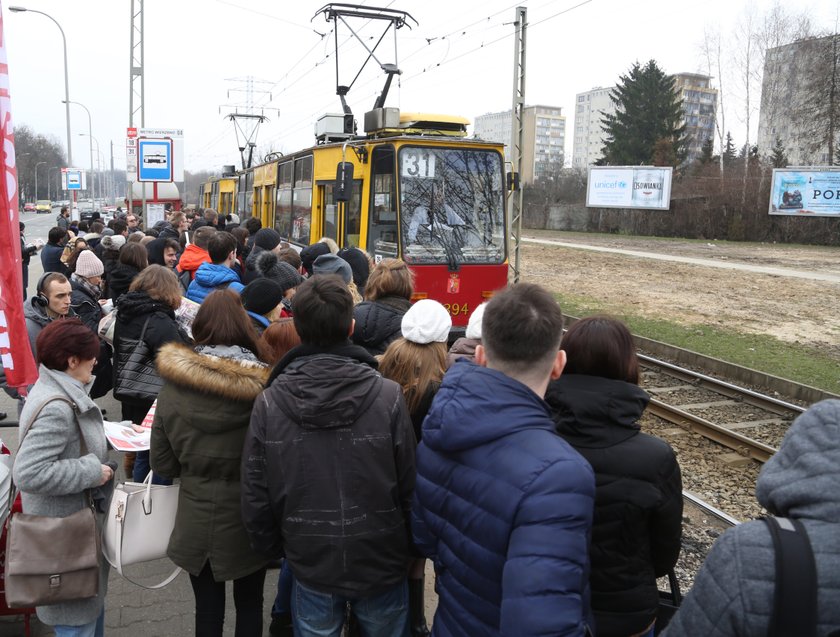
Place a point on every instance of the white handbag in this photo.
(140, 520)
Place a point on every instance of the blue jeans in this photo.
(283, 600)
(96, 628)
(142, 468)
(317, 614)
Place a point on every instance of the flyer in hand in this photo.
(185, 314)
(127, 438)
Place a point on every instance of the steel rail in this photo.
(709, 509)
(741, 394)
(742, 444)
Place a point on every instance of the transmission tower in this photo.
(246, 117)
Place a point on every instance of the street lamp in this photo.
(98, 164)
(90, 133)
(36, 178)
(49, 180)
(66, 76)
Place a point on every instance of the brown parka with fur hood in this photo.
(202, 415)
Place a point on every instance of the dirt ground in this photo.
(795, 310)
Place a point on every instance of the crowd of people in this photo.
(318, 420)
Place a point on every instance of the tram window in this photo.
(283, 212)
(452, 206)
(285, 174)
(382, 224)
(303, 172)
(301, 215)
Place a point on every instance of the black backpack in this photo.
(795, 597)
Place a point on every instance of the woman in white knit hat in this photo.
(417, 362)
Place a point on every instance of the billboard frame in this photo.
(803, 212)
(667, 182)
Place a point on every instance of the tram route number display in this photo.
(418, 163)
(805, 191)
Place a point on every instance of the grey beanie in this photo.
(332, 264)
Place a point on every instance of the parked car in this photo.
(29, 207)
(43, 205)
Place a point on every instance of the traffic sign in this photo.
(154, 161)
(131, 132)
(73, 179)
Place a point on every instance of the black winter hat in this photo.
(310, 253)
(267, 238)
(261, 296)
(267, 265)
(359, 264)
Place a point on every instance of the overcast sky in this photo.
(459, 60)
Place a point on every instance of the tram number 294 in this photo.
(456, 310)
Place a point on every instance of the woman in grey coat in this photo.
(733, 592)
(50, 470)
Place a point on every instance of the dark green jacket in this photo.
(202, 415)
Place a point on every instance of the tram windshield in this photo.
(451, 205)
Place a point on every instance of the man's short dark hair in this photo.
(252, 224)
(96, 227)
(83, 226)
(221, 244)
(56, 234)
(323, 310)
(201, 236)
(210, 215)
(120, 226)
(522, 326)
(63, 209)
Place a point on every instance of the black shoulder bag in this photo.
(135, 376)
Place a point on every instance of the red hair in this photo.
(63, 338)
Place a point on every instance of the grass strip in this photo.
(796, 362)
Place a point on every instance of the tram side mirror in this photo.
(343, 190)
(512, 181)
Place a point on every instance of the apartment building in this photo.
(699, 101)
(791, 110)
(544, 137)
(590, 108)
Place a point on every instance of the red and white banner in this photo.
(15, 352)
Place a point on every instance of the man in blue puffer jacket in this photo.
(218, 273)
(502, 505)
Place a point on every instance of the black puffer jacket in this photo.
(638, 500)
(132, 311)
(86, 306)
(378, 322)
(328, 471)
(119, 279)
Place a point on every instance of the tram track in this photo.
(716, 409)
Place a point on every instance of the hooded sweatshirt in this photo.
(500, 498)
(210, 277)
(734, 590)
(36, 320)
(192, 258)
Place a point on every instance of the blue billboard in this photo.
(805, 191)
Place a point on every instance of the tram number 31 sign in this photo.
(418, 163)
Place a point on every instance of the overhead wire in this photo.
(462, 31)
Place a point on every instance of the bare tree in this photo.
(711, 51)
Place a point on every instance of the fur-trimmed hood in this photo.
(228, 378)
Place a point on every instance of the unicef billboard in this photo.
(805, 191)
(644, 187)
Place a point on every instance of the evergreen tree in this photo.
(729, 155)
(707, 151)
(648, 111)
(778, 156)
